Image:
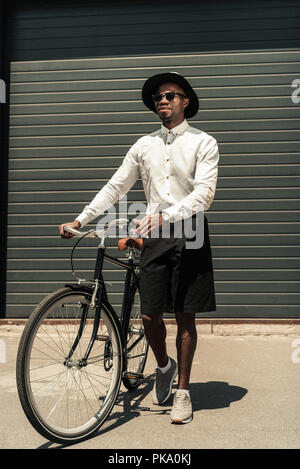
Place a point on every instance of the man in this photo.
(178, 166)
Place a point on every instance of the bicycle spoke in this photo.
(68, 395)
(137, 346)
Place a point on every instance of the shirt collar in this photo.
(178, 130)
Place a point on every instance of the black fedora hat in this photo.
(151, 85)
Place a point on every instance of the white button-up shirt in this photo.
(178, 168)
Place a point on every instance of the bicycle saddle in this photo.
(133, 242)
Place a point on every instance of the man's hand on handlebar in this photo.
(74, 224)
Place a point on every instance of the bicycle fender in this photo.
(80, 287)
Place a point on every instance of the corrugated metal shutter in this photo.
(75, 110)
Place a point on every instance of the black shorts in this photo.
(176, 279)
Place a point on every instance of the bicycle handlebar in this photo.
(78, 233)
(96, 233)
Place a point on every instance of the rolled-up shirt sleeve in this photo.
(205, 182)
(119, 184)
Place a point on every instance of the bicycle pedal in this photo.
(136, 331)
(134, 375)
(102, 338)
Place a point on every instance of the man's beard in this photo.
(166, 119)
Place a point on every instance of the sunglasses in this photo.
(169, 96)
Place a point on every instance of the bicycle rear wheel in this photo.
(137, 346)
(64, 399)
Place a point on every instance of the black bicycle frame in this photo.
(131, 283)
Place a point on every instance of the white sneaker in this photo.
(182, 411)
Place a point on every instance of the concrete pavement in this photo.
(245, 392)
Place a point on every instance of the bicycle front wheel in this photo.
(65, 398)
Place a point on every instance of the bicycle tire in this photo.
(65, 402)
(137, 356)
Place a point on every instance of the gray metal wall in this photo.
(75, 109)
(4, 108)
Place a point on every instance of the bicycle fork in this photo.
(97, 296)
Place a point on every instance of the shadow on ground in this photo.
(210, 395)
(215, 395)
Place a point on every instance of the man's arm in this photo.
(205, 182)
(119, 184)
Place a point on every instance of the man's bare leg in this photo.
(156, 334)
(166, 371)
(186, 342)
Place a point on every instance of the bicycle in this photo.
(75, 351)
